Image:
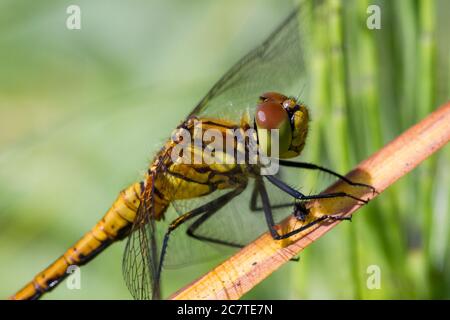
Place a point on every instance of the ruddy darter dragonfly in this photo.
(249, 96)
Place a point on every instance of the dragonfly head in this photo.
(276, 111)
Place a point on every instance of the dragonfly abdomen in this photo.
(114, 225)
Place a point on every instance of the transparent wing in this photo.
(276, 65)
(141, 256)
(184, 250)
(235, 223)
(143, 249)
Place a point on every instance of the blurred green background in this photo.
(83, 111)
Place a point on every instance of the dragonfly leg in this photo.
(207, 209)
(300, 196)
(311, 166)
(191, 230)
(271, 223)
(114, 225)
(254, 199)
(296, 194)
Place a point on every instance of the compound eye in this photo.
(271, 115)
(272, 96)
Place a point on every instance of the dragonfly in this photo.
(203, 196)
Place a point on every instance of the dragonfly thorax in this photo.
(288, 118)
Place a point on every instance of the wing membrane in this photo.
(276, 65)
(141, 257)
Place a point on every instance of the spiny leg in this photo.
(300, 196)
(311, 166)
(254, 197)
(208, 208)
(296, 194)
(191, 230)
(271, 223)
(200, 221)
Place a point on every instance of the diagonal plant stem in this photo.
(240, 273)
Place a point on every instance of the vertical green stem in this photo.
(425, 102)
(339, 135)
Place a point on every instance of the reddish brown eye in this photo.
(273, 96)
(270, 115)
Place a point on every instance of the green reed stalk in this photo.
(340, 147)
